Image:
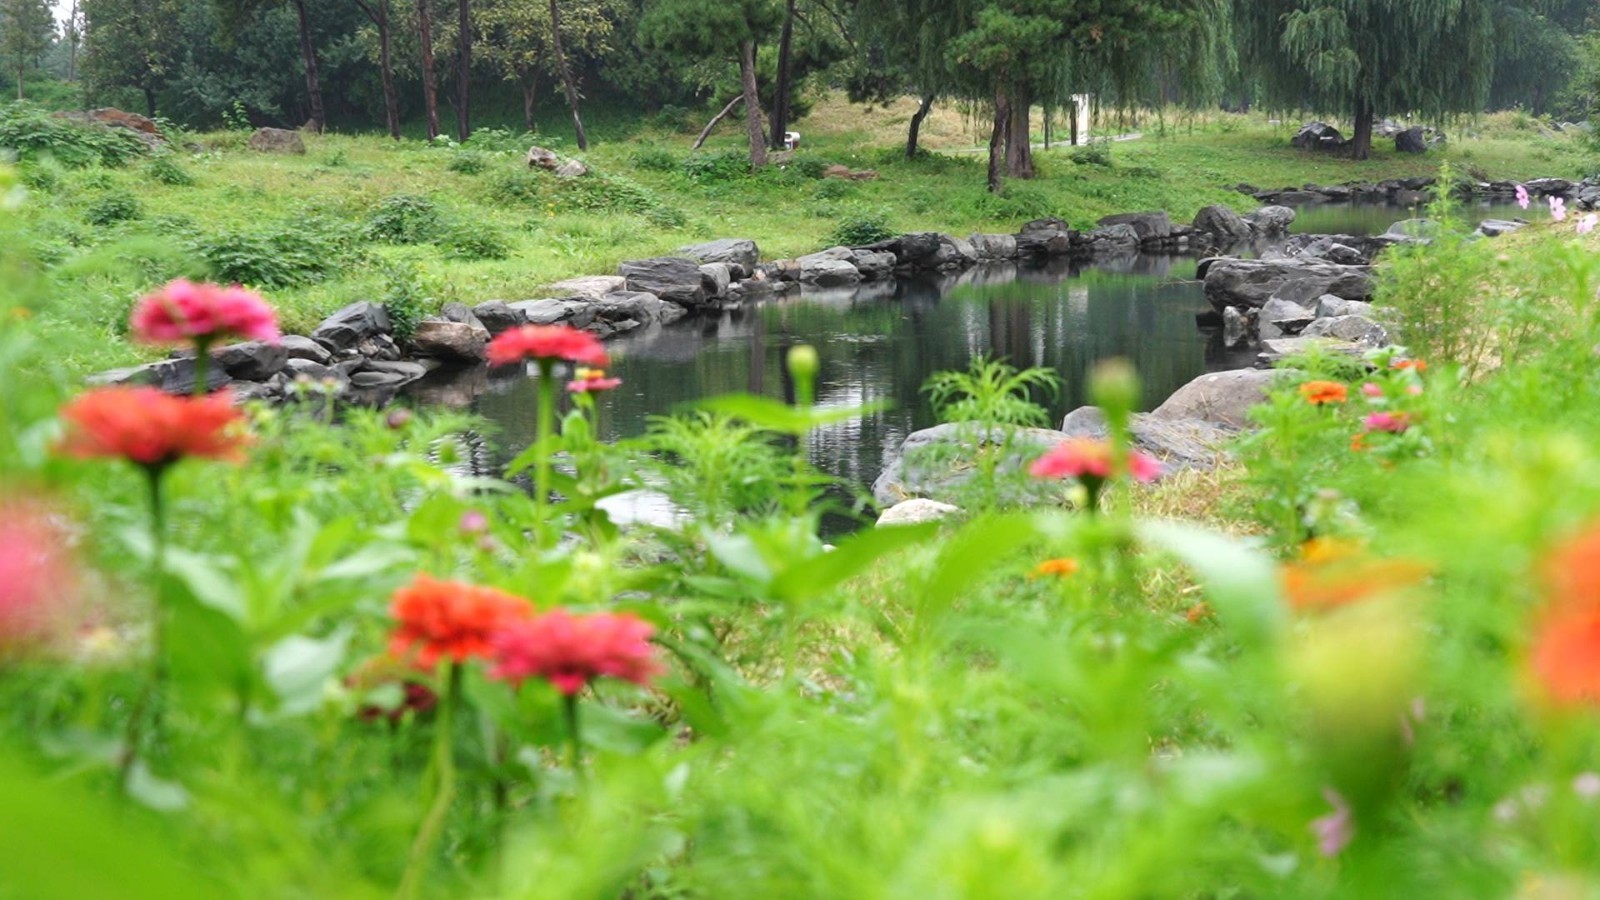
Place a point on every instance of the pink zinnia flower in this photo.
(1337, 829)
(1393, 422)
(1372, 390)
(1087, 458)
(1522, 197)
(546, 342)
(1587, 223)
(37, 580)
(570, 650)
(184, 311)
(1558, 209)
(585, 381)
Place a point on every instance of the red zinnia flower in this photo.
(1087, 458)
(37, 581)
(546, 342)
(184, 311)
(416, 697)
(448, 619)
(1319, 393)
(148, 426)
(586, 381)
(570, 651)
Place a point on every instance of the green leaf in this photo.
(775, 415)
(298, 668)
(1240, 583)
(818, 574)
(210, 579)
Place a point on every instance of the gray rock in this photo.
(541, 158)
(1178, 443)
(1114, 239)
(1222, 223)
(1271, 220)
(367, 380)
(1355, 329)
(637, 306)
(1317, 136)
(715, 279)
(1220, 398)
(460, 312)
(405, 368)
(829, 273)
(737, 251)
(1274, 351)
(1550, 187)
(1414, 228)
(1411, 140)
(591, 286)
(175, 376)
(379, 346)
(351, 325)
(671, 278)
(277, 140)
(456, 341)
(252, 360)
(936, 463)
(1329, 306)
(1151, 227)
(297, 346)
(1251, 282)
(545, 312)
(1281, 318)
(953, 254)
(496, 316)
(314, 371)
(571, 169)
(1044, 237)
(1497, 227)
(994, 246)
(1235, 328)
(670, 312)
(914, 250)
(874, 265)
(917, 511)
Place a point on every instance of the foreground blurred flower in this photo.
(1337, 829)
(1522, 197)
(570, 650)
(1415, 365)
(412, 696)
(546, 343)
(1588, 223)
(1321, 393)
(1392, 422)
(586, 381)
(1090, 462)
(185, 312)
(1057, 568)
(1565, 656)
(1331, 573)
(146, 426)
(1558, 209)
(38, 584)
(450, 620)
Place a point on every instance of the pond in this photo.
(880, 343)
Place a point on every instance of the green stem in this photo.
(202, 365)
(147, 704)
(569, 705)
(444, 768)
(541, 457)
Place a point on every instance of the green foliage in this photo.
(286, 256)
(654, 158)
(406, 299)
(165, 170)
(474, 241)
(860, 229)
(113, 208)
(992, 393)
(405, 219)
(1094, 153)
(717, 168)
(469, 162)
(31, 134)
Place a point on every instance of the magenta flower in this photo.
(1392, 422)
(1335, 830)
(569, 651)
(1522, 197)
(1587, 223)
(184, 312)
(1558, 209)
(1088, 458)
(1372, 390)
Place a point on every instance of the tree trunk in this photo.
(1075, 112)
(528, 80)
(319, 121)
(1019, 146)
(430, 89)
(566, 74)
(706, 131)
(464, 71)
(997, 136)
(74, 36)
(391, 100)
(150, 102)
(916, 125)
(1361, 140)
(780, 100)
(752, 104)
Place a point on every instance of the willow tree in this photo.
(1370, 57)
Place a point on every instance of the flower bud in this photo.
(803, 367)
(1114, 387)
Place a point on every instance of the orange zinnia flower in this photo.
(1319, 393)
(1332, 573)
(152, 428)
(1416, 365)
(1566, 650)
(1060, 568)
(447, 619)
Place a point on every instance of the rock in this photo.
(954, 253)
(637, 306)
(571, 169)
(1355, 329)
(1280, 318)
(994, 246)
(1151, 227)
(1497, 227)
(830, 268)
(547, 311)
(1411, 140)
(671, 278)
(1220, 398)
(874, 265)
(367, 380)
(1271, 220)
(1222, 223)
(1235, 328)
(443, 339)
(459, 312)
(936, 463)
(1329, 306)
(379, 346)
(409, 369)
(110, 117)
(591, 286)
(1044, 237)
(496, 316)
(175, 376)
(1335, 252)
(917, 511)
(1550, 187)
(715, 279)
(1317, 136)
(351, 325)
(1275, 350)
(914, 250)
(540, 158)
(1179, 443)
(252, 360)
(1114, 239)
(277, 140)
(1251, 282)
(300, 347)
(736, 251)
(313, 371)
(1414, 228)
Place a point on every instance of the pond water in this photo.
(880, 343)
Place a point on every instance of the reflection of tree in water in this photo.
(879, 345)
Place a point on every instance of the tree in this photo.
(463, 69)
(26, 29)
(430, 85)
(131, 43)
(308, 51)
(718, 28)
(1370, 57)
(74, 37)
(565, 69)
(379, 12)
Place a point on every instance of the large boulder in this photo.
(452, 341)
(874, 265)
(296, 346)
(1251, 282)
(175, 376)
(548, 311)
(497, 316)
(353, 324)
(1151, 227)
(937, 463)
(638, 306)
(1113, 239)
(715, 278)
(1223, 224)
(541, 158)
(834, 267)
(1178, 443)
(737, 251)
(1220, 398)
(1329, 306)
(277, 140)
(917, 511)
(1411, 140)
(1271, 220)
(914, 250)
(1317, 136)
(671, 278)
(1282, 318)
(954, 253)
(1497, 227)
(1355, 329)
(252, 360)
(994, 246)
(1044, 237)
(590, 286)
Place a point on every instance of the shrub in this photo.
(33, 134)
(113, 208)
(476, 241)
(860, 228)
(653, 158)
(164, 170)
(504, 140)
(715, 168)
(405, 219)
(808, 167)
(468, 162)
(519, 185)
(1016, 202)
(1095, 153)
(288, 256)
(406, 299)
(835, 189)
